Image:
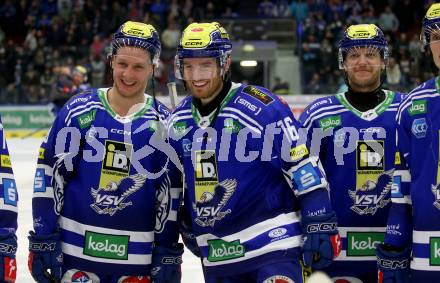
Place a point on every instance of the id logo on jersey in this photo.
(306, 177)
(205, 174)
(372, 183)
(369, 162)
(211, 195)
(116, 162)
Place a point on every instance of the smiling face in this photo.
(203, 77)
(363, 66)
(132, 68)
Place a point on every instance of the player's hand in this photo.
(45, 257)
(322, 242)
(8, 265)
(392, 264)
(188, 236)
(165, 267)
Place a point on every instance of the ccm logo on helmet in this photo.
(193, 43)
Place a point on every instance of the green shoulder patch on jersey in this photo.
(417, 107)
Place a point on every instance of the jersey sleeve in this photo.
(399, 225)
(302, 170)
(57, 159)
(8, 189)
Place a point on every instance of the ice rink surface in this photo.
(23, 154)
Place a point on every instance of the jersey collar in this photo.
(371, 114)
(148, 102)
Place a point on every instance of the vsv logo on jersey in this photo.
(419, 128)
(111, 199)
(306, 177)
(116, 162)
(210, 195)
(372, 183)
(220, 250)
(363, 243)
(106, 245)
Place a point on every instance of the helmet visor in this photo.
(196, 69)
(430, 34)
(369, 55)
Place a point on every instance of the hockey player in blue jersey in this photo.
(251, 189)
(103, 207)
(353, 134)
(8, 214)
(411, 252)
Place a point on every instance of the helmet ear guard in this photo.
(140, 35)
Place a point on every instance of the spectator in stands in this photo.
(388, 21)
(299, 10)
(266, 9)
(394, 74)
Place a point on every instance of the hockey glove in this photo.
(165, 267)
(322, 242)
(45, 254)
(188, 236)
(392, 264)
(8, 266)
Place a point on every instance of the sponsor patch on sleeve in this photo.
(5, 161)
(258, 94)
(10, 192)
(298, 152)
(397, 158)
(306, 177)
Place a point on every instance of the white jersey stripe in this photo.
(80, 228)
(257, 229)
(244, 116)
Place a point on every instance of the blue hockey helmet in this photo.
(138, 35)
(203, 40)
(363, 35)
(431, 22)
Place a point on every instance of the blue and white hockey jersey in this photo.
(415, 211)
(8, 189)
(105, 187)
(357, 152)
(245, 172)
